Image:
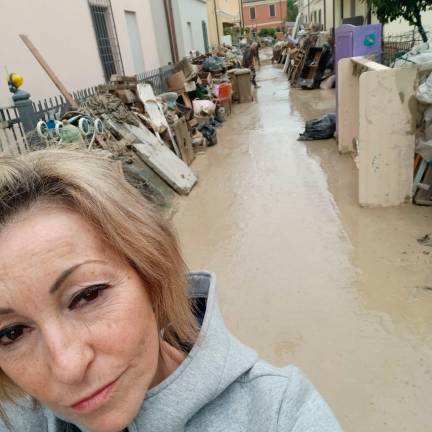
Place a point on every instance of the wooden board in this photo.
(47, 68)
(155, 112)
(160, 158)
(184, 141)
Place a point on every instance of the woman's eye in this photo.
(11, 334)
(87, 295)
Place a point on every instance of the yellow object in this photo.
(16, 79)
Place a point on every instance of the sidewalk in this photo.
(305, 275)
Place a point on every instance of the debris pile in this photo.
(308, 59)
(155, 138)
(422, 189)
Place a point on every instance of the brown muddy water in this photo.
(305, 275)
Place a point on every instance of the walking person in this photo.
(250, 58)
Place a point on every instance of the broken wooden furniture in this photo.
(310, 67)
(376, 118)
(296, 66)
(184, 141)
(156, 155)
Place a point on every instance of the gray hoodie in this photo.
(222, 386)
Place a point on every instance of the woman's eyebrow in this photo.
(65, 274)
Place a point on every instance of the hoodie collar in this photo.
(216, 360)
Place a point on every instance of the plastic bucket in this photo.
(225, 90)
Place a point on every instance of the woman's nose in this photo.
(69, 353)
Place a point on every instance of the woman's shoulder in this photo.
(23, 416)
(299, 405)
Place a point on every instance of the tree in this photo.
(390, 10)
(292, 11)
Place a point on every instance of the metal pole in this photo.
(325, 15)
(217, 22)
(334, 16)
(171, 30)
(242, 14)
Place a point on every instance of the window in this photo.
(252, 13)
(319, 16)
(106, 37)
(272, 10)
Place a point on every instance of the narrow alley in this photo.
(306, 276)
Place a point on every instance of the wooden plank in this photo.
(184, 141)
(159, 157)
(54, 78)
(155, 112)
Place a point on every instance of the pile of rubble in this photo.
(156, 138)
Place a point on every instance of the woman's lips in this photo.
(95, 400)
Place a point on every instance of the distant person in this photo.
(250, 58)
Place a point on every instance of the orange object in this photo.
(225, 90)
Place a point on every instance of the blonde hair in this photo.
(94, 187)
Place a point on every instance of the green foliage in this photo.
(390, 10)
(292, 11)
(267, 32)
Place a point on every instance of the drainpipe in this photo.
(282, 17)
(241, 12)
(217, 22)
(325, 15)
(334, 16)
(171, 30)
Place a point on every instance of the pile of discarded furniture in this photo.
(155, 138)
(308, 60)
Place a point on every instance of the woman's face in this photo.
(77, 328)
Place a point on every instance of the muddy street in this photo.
(305, 275)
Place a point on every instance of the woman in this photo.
(100, 329)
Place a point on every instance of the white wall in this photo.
(402, 26)
(162, 39)
(63, 33)
(147, 32)
(193, 11)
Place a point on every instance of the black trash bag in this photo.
(319, 128)
(209, 133)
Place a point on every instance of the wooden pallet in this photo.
(297, 67)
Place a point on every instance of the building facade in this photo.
(222, 14)
(258, 14)
(191, 26)
(86, 41)
(332, 13)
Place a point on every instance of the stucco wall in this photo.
(147, 32)
(162, 36)
(63, 33)
(262, 14)
(190, 37)
(228, 11)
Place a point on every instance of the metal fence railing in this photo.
(157, 78)
(14, 131)
(395, 46)
(12, 135)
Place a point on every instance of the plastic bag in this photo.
(319, 128)
(209, 133)
(213, 64)
(424, 91)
